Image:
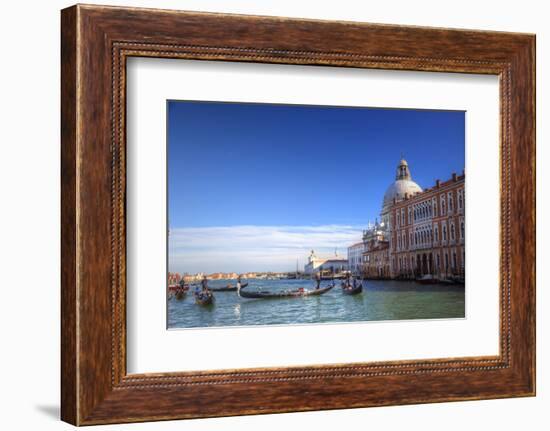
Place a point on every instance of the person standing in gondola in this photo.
(204, 284)
(318, 279)
(204, 287)
(239, 285)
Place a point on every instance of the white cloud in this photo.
(254, 248)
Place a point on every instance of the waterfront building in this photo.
(355, 257)
(174, 278)
(375, 256)
(333, 265)
(421, 231)
(376, 259)
(428, 232)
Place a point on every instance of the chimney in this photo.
(437, 183)
(454, 176)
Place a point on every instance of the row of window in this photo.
(425, 237)
(428, 209)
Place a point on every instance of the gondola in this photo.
(202, 299)
(352, 290)
(180, 294)
(226, 289)
(427, 279)
(297, 293)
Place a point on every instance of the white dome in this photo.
(397, 191)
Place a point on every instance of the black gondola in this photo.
(348, 290)
(180, 294)
(226, 289)
(298, 293)
(202, 298)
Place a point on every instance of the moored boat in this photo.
(297, 293)
(427, 279)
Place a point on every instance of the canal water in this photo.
(381, 300)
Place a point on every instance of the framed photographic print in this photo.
(254, 208)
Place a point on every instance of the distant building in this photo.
(355, 257)
(333, 264)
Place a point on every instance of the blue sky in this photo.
(290, 171)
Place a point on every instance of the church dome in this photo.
(403, 185)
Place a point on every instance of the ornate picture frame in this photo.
(96, 41)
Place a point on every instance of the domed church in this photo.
(402, 187)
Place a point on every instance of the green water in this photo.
(380, 300)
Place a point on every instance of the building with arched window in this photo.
(436, 232)
(421, 231)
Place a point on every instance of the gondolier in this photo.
(318, 279)
(239, 285)
(203, 296)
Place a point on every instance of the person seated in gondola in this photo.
(354, 282)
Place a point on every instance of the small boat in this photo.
(228, 288)
(297, 293)
(350, 290)
(180, 294)
(204, 298)
(427, 279)
(447, 281)
(176, 287)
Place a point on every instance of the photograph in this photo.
(284, 214)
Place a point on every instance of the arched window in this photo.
(462, 233)
(442, 203)
(450, 196)
(436, 233)
(452, 231)
(444, 233)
